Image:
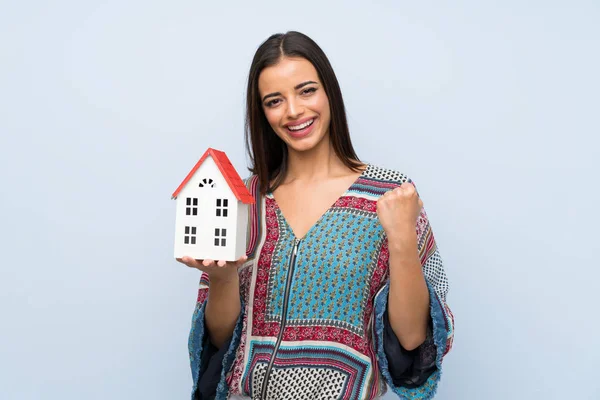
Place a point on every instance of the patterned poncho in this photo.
(313, 308)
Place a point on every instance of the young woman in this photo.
(342, 290)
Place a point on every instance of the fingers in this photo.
(242, 260)
(238, 262)
(190, 262)
(406, 188)
(193, 263)
(208, 263)
(405, 192)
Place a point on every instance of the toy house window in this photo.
(220, 237)
(222, 207)
(191, 206)
(190, 235)
(206, 182)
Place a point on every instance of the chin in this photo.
(306, 144)
(301, 148)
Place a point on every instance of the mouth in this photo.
(302, 128)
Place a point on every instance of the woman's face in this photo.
(295, 103)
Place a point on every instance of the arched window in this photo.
(207, 182)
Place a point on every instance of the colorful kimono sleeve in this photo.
(415, 374)
(198, 343)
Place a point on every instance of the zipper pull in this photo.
(296, 243)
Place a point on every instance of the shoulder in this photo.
(377, 180)
(251, 182)
(383, 175)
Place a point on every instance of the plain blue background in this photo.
(491, 107)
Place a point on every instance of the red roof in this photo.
(227, 170)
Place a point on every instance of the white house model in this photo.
(212, 208)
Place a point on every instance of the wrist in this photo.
(224, 278)
(404, 258)
(402, 241)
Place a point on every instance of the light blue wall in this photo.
(491, 107)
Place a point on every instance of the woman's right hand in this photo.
(216, 270)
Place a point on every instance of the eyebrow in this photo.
(299, 86)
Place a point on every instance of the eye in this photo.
(309, 90)
(272, 103)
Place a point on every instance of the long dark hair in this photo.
(267, 152)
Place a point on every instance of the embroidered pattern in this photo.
(330, 348)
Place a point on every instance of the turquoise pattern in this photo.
(331, 283)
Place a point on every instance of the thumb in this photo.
(241, 260)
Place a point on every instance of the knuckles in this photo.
(401, 194)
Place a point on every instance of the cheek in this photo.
(324, 109)
(271, 117)
(321, 102)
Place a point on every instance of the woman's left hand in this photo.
(398, 211)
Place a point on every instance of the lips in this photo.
(301, 128)
(298, 123)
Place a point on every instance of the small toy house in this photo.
(212, 210)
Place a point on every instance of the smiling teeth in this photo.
(301, 126)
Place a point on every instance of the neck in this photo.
(316, 164)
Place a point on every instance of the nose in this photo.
(295, 109)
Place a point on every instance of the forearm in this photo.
(408, 302)
(223, 309)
